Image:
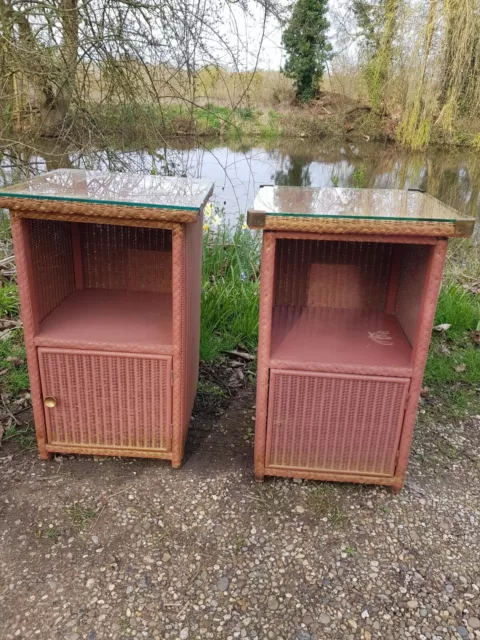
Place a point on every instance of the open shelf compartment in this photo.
(343, 306)
(101, 286)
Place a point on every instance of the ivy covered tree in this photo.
(307, 47)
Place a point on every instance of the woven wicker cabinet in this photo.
(109, 269)
(349, 285)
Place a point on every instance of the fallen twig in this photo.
(239, 354)
(18, 422)
(7, 260)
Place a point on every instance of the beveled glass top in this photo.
(127, 189)
(376, 204)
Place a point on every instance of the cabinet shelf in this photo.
(135, 321)
(340, 340)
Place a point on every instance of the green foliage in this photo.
(215, 117)
(457, 307)
(272, 128)
(23, 434)
(359, 177)
(380, 29)
(80, 514)
(9, 303)
(245, 113)
(14, 378)
(415, 129)
(307, 47)
(365, 15)
(230, 290)
(453, 366)
(475, 142)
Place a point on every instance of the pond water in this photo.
(239, 168)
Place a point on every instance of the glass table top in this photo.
(376, 204)
(128, 189)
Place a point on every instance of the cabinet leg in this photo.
(259, 477)
(44, 455)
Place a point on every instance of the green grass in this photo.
(23, 434)
(137, 124)
(458, 307)
(80, 514)
(230, 291)
(14, 376)
(272, 128)
(324, 502)
(245, 113)
(9, 303)
(213, 116)
(452, 373)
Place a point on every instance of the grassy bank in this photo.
(129, 124)
(230, 296)
(134, 124)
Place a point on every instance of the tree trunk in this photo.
(59, 90)
(7, 97)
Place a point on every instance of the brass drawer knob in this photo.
(50, 401)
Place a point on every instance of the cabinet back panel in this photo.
(331, 274)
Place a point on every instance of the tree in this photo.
(379, 68)
(365, 13)
(460, 67)
(414, 130)
(69, 60)
(306, 43)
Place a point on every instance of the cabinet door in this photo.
(108, 400)
(339, 423)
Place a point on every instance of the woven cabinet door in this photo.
(107, 400)
(334, 423)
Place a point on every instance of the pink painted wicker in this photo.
(310, 418)
(344, 329)
(111, 314)
(107, 399)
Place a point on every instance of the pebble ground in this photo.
(109, 548)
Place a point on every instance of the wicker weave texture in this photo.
(126, 258)
(331, 403)
(324, 422)
(111, 400)
(267, 285)
(332, 274)
(57, 210)
(52, 263)
(369, 227)
(192, 298)
(433, 280)
(411, 284)
(186, 293)
(30, 324)
(71, 278)
(94, 219)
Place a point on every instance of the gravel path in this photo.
(109, 548)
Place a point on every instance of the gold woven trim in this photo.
(374, 227)
(55, 210)
(124, 222)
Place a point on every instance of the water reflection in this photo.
(240, 168)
